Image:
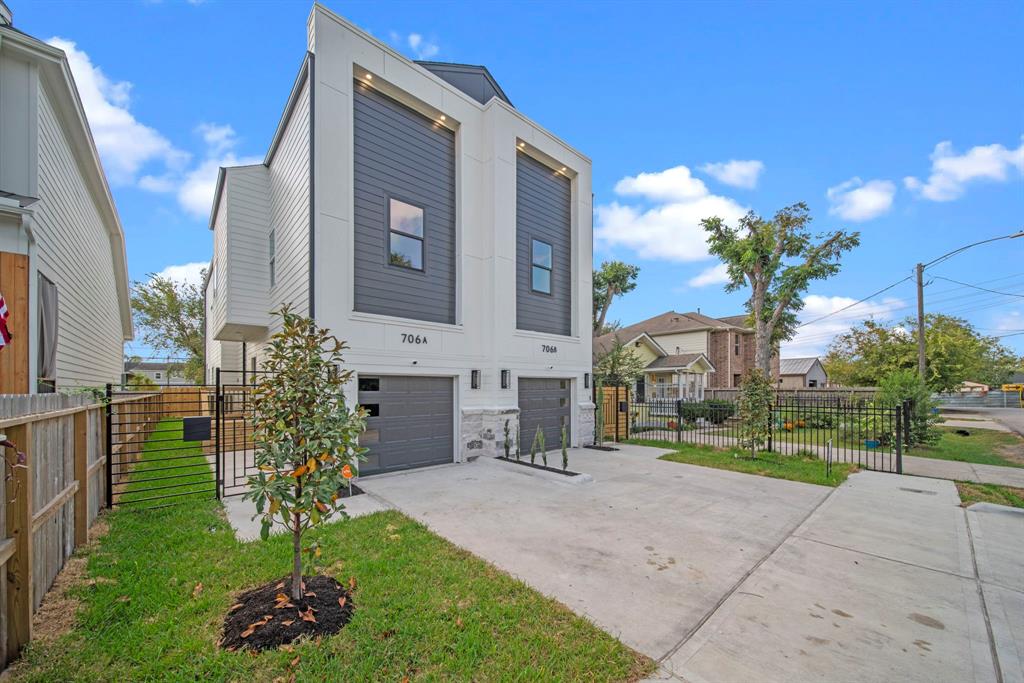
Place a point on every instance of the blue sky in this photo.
(901, 120)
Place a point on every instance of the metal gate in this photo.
(160, 446)
(233, 431)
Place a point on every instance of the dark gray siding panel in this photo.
(544, 403)
(413, 426)
(402, 154)
(543, 212)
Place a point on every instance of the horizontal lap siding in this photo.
(400, 153)
(543, 212)
(74, 251)
(249, 217)
(289, 210)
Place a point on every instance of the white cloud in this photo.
(673, 184)
(856, 200)
(194, 188)
(951, 172)
(814, 339)
(670, 229)
(125, 145)
(187, 273)
(417, 45)
(715, 275)
(736, 173)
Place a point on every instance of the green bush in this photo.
(906, 385)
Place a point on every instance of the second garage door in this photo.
(544, 402)
(410, 424)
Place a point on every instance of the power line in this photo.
(855, 303)
(964, 284)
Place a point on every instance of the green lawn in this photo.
(803, 468)
(971, 492)
(425, 609)
(983, 446)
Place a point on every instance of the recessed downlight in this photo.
(369, 77)
(443, 117)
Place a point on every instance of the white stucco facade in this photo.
(484, 336)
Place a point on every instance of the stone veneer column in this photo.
(482, 432)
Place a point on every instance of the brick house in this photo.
(727, 344)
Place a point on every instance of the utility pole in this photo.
(922, 366)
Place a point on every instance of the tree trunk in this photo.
(763, 353)
(604, 310)
(296, 558)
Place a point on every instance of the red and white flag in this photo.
(5, 334)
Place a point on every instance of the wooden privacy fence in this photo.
(51, 496)
(615, 417)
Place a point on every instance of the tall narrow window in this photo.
(271, 243)
(736, 348)
(541, 263)
(46, 369)
(405, 235)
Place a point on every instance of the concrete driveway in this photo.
(722, 576)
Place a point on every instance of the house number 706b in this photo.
(548, 348)
(408, 338)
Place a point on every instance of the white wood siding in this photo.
(216, 296)
(686, 342)
(289, 213)
(247, 247)
(74, 251)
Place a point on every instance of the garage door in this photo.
(544, 402)
(410, 423)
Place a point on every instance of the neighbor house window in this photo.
(736, 347)
(540, 259)
(405, 235)
(156, 375)
(812, 383)
(273, 254)
(46, 367)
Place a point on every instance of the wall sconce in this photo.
(586, 380)
(474, 379)
(506, 379)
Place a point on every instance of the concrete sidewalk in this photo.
(963, 471)
(878, 584)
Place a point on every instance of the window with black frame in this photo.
(541, 264)
(46, 366)
(405, 235)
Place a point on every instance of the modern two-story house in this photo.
(410, 208)
(686, 353)
(63, 272)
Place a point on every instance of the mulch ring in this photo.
(266, 617)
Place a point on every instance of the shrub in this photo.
(755, 409)
(305, 434)
(565, 447)
(508, 445)
(906, 385)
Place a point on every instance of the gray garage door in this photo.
(410, 423)
(544, 402)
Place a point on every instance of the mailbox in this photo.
(195, 428)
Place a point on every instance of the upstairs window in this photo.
(272, 246)
(540, 269)
(736, 345)
(405, 235)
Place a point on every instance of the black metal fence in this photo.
(851, 429)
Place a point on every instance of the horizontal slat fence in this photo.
(52, 494)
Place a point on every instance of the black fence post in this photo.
(679, 420)
(908, 411)
(899, 438)
(109, 438)
(772, 404)
(217, 457)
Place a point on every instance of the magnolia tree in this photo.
(305, 434)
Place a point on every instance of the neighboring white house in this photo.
(417, 214)
(802, 373)
(666, 376)
(62, 258)
(163, 374)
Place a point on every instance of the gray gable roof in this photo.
(475, 81)
(796, 366)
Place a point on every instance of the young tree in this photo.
(620, 366)
(614, 278)
(171, 315)
(777, 259)
(755, 410)
(305, 434)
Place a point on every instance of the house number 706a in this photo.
(413, 338)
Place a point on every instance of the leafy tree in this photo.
(620, 366)
(171, 316)
(137, 380)
(954, 352)
(777, 259)
(906, 385)
(613, 279)
(305, 434)
(755, 410)
(565, 447)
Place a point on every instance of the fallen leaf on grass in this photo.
(308, 615)
(197, 590)
(384, 635)
(352, 582)
(124, 598)
(287, 648)
(287, 622)
(249, 631)
(309, 594)
(458, 621)
(279, 586)
(235, 606)
(342, 601)
(295, 662)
